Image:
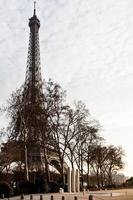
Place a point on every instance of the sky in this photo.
(87, 47)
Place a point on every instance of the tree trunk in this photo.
(88, 172)
(82, 176)
(98, 181)
(62, 174)
(46, 169)
(26, 164)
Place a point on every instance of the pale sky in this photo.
(87, 47)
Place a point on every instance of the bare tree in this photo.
(70, 132)
(34, 125)
(104, 161)
(113, 162)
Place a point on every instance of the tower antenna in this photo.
(34, 7)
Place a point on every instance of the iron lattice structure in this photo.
(34, 120)
(33, 93)
(33, 73)
(35, 146)
(31, 142)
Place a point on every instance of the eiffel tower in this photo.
(33, 105)
(30, 118)
(33, 92)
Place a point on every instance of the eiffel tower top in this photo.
(34, 20)
(33, 81)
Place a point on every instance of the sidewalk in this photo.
(97, 195)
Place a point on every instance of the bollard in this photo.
(63, 198)
(111, 194)
(84, 191)
(61, 190)
(75, 198)
(22, 196)
(41, 197)
(90, 197)
(2, 196)
(52, 198)
(31, 197)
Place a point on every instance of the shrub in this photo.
(27, 187)
(40, 185)
(53, 187)
(5, 189)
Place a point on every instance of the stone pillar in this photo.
(73, 180)
(69, 179)
(77, 181)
